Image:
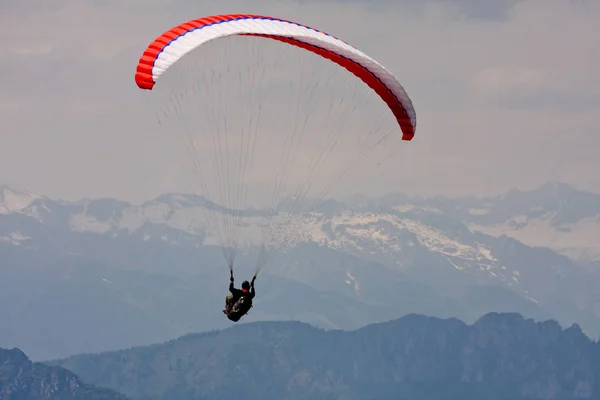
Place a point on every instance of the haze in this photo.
(507, 93)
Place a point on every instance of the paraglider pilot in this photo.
(240, 301)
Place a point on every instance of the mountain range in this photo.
(499, 357)
(101, 274)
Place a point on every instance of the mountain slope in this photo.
(555, 215)
(53, 306)
(348, 264)
(415, 357)
(20, 379)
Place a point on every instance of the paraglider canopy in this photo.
(274, 101)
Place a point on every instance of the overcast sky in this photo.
(507, 93)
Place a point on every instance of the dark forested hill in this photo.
(501, 356)
(21, 379)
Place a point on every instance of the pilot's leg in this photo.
(227, 304)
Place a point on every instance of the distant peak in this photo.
(14, 354)
(495, 317)
(12, 200)
(575, 331)
(559, 188)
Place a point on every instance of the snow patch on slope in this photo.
(352, 281)
(380, 231)
(15, 238)
(13, 201)
(82, 222)
(576, 240)
(407, 208)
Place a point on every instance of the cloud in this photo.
(506, 92)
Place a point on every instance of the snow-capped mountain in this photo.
(391, 230)
(555, 216)
(391, 235)
(14, 201)
(395, 254)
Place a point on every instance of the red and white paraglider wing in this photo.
(169, 47)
